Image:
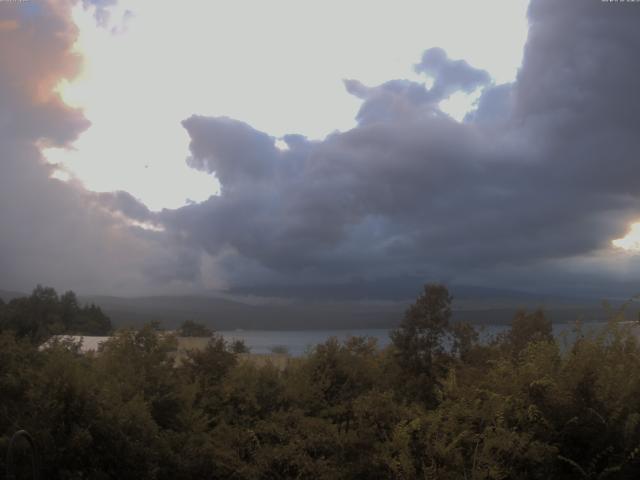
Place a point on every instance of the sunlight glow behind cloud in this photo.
(276, 65)
(631, 241)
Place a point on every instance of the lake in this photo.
(298, 342)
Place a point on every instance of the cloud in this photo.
(53, 232)
(531, 187)
(232, 149)
(450, 75)
(545, 170)
(494, 107)
(408, 101)
(102, 10)
(126, 204)
(395, 100)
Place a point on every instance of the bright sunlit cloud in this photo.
(631, 241)
(276, 65)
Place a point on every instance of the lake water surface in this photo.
(299, 342)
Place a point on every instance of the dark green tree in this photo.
(35, 317)
(527, 328)
(189, 328)
(44, 313)
(239, 346)
(419, 341)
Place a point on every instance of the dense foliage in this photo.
(189, 328)
(45, 313)
(435, 404)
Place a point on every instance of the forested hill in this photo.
(470, 305)
(222, 314)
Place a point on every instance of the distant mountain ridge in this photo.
(391, 289)
(475, 305)
(223, 314)
(478, 305)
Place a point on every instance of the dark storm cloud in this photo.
(494, 106)
(545, 169)
(234, 150)
(183, 264)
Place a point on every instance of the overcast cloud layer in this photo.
(532, 186)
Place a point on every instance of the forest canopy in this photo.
(436, 403)
(45, 313)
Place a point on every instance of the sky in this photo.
(267, 148)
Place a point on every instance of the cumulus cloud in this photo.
(537, 180)
(450, 75)
(404, 100)
(494, 107)
(543, 171)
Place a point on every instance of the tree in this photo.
(239, 346)
(43, 314)
(91, 320)
(527, 328)
(212, 363)
(419, 339)
(36, 317)
(3, 314)
(464, 340)
(69, 308)
(280, 349)
(189, 328)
